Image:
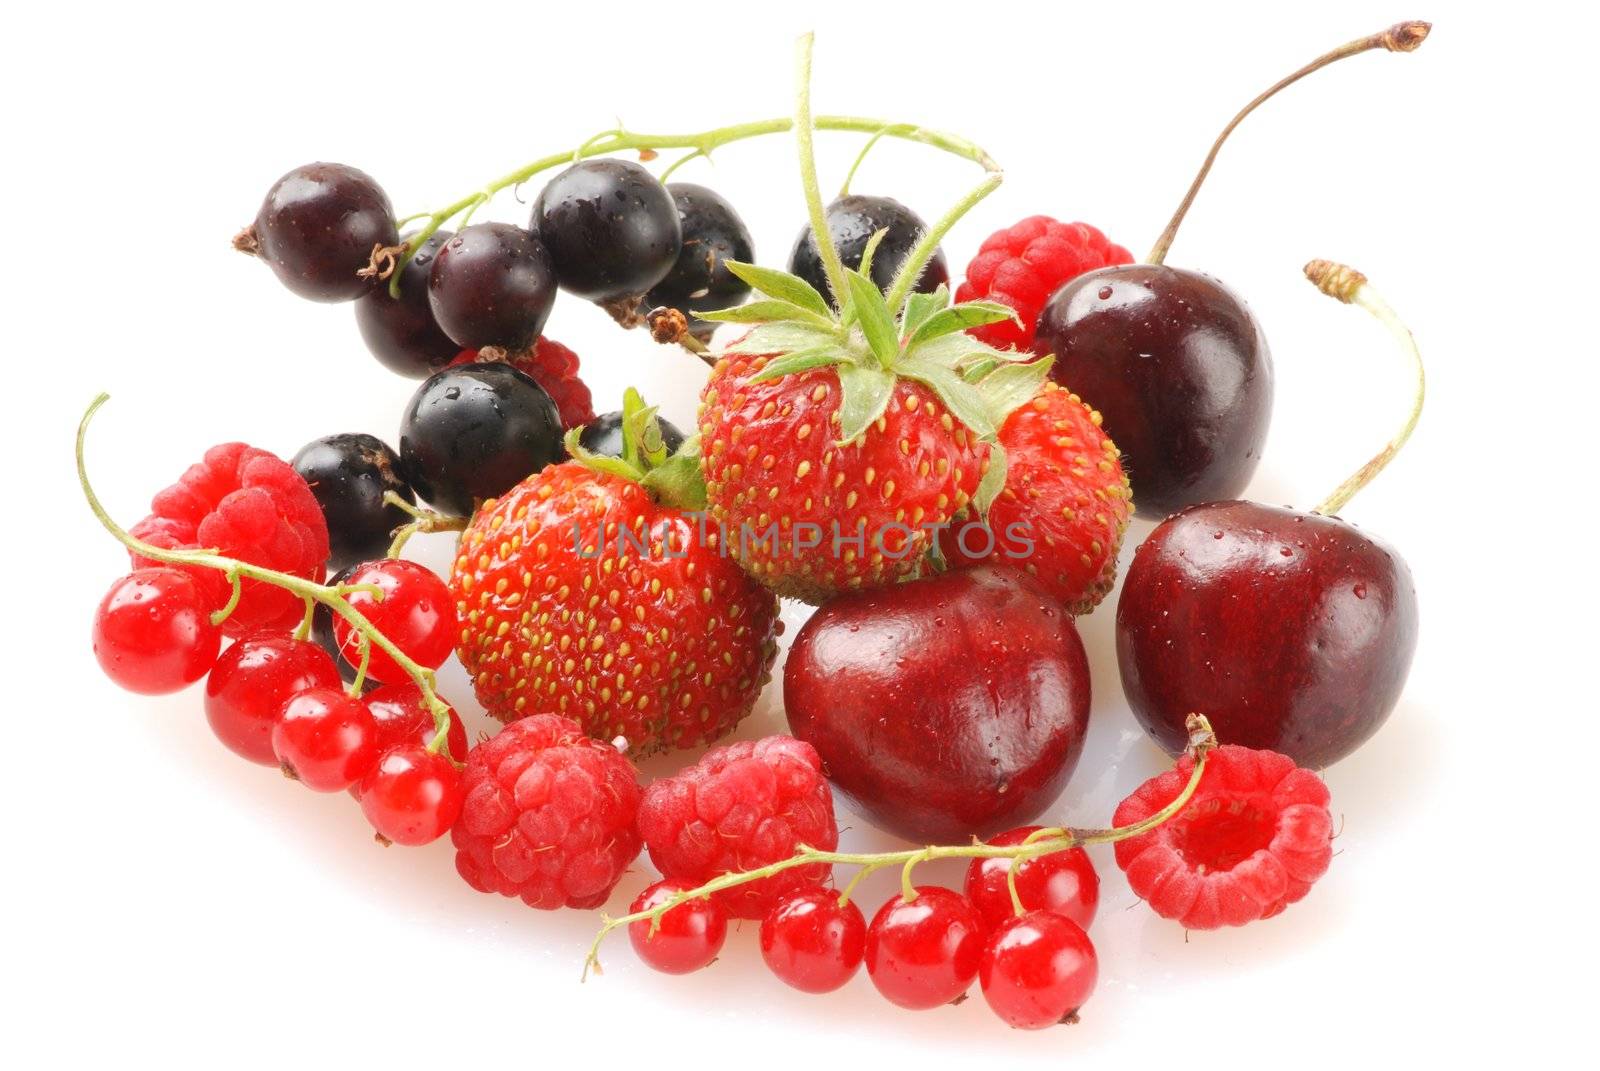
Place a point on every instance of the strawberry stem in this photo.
(1044, 842)
(827, 250)
(334, 598)
(1351, 287)
(1401, 37)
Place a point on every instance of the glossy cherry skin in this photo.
(416, 613)
(412, 796)
(317, 228)
(1064, 882)
(813, 942)
(325, 739)
(252, 681)
(1179, 369)
(401, 331)
(1290, 631)
(687, 938)
(945, 707)
(153, 632)
(1038, 970)
(924, 952)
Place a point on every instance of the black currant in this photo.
(492, 285)
(317, 228)
(713, 234)
(603, 435)
(401, 331)
(348, 475)
(322, 632)
(611, 229)
(852, 221)
(474, 431)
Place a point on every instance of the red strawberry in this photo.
(1065, 503)
(562, 613)
(836, 445)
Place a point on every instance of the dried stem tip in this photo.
(1336, 280)
(246, 241)
(1406, 36)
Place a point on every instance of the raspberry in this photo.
(548, 815)
(741, 807)
(1254, 839)
(553, 367)
(248, 504)
(1022, 265)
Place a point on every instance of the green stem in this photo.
(1351, 287)
(702, 144)
(331, 597)
(1201, 741)
(911, 269)
(827, 250)
(423, 521)
(850, 176)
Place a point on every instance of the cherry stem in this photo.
(702, 144)
(1351, 287)
(1044, 842)
(334, 597)
(1401, 37)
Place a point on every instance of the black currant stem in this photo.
(1401, 37)
(423, 521)
(1351, 287)
(1201, 741)
(702, 144)
(334, 597)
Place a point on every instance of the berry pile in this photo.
(950, 480)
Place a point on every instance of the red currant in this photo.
(252, 681)
(153, 632)
(924, 952)
(1063, 882)
(416, 613)
(326, 739)
(812, 941)
(403, 718)
(412, 796)
(1037, 970)
(687, 937)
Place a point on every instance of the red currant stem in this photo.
(1011, 873)
(303, 632)
(1201, 741)
(911, 268)
(360, 681)
(331, 597)
(850, 887)
(425, 520)
(702, 143)
(1401, 37)
(237, 589)
(1351, 287)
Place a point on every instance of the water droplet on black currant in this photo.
(317, 228)
(348, 475)
(492, 285)
(713, 234)
(474, 431)
(852, 221)
(611, 229)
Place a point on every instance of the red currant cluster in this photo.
(930, 473)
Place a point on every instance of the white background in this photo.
(168, 902)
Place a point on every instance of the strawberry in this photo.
(1066, 500)
(835, 445)
(593, 589)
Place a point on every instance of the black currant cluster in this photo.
(605, 230)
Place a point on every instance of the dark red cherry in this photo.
(1290, 631)
(946, 707)
(1179, 369)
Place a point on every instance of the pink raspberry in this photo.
(548, 815)
(1022, 265)
(247, 504)
(741, 807)
(1252, 840)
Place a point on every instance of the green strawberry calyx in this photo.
(673, 479)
